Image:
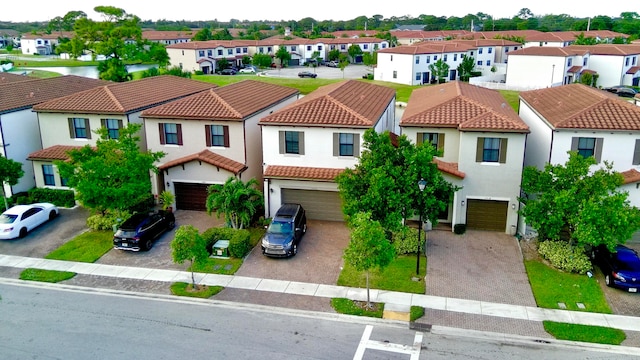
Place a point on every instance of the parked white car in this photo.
(20, 219)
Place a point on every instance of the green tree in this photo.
(113, 174)
(333, 55)
(203, 35)
(238, 201)
(589, 79)
(10, 172)
(353, 51)
(384, 182)
(113, 69)
(571, 203)
(222, 64)
(582, 40)
(440, 70)
(370, 59)
(188, 245)
(368, 247)
(466, 67)
(283, 55)
(261, 60)
(343, 62)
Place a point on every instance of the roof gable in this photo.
(210, 158)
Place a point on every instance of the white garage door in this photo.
(320, 205)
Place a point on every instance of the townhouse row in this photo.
(296, 145)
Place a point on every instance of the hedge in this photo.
(565, 257)
(239, 240)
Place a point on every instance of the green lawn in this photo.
(396, 277)
(185, 289)
(584, 333)
(512, 98)
(551, 286)
(86, 247)
(350, 307)
(51, 276)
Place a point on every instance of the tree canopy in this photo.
(236, 200)
(466, 67)
(283, 55)
(189, 245)
(114, 174)
(439, 70)
(570, 202)
(385, 181)
(10, 172)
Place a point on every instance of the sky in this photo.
(44, 10)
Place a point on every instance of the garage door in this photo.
(487, 214)
(320, 205)
(191, 196)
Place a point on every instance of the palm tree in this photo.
(238, 201)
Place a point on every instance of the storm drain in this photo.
(420, 327)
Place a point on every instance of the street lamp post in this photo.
(421, 185)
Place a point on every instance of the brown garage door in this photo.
(320, 205)
(487, 214)
(191, 196)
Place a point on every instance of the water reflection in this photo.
(86, 71)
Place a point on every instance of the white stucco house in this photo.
(308, 143)
(584, 119)
(481, 141)
(42, 44)
(211, 136)
(616, 64)
(540, 67)
(566, 38)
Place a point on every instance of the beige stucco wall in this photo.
(183, 58)
(54, 128)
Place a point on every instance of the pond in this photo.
(85, 71)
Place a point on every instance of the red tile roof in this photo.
(568, 36)
(54, 35)
(210, 158)
(609, 49)
(633, 70)
(126, 97)
(550, 51)
(6, 78)
(630, 176)
(460, 105)
(577, 106)
(230, 102)
(157, 35)
(56, 152)
(449, 168)
(301, 172)
(575, 69)
(25, 94)
(350, 103)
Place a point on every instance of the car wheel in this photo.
(23, 232)
(52, 215)
(607, 280)
(148, 245)
(172, 224)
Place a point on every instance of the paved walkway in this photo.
(390, 298)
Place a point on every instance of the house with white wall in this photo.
(592, 122)
(540, 67)
(72, 120)
(19, 131)
(481, 141)
(566, 38)
(616, 64)
(204, 55)
(168, 37)
(42, 44)
(308, 143)
(211, 136)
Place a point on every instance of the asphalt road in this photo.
(41, 321)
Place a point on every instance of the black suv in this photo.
(285, 231)
(141, 230)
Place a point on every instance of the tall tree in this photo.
(10, 172)
(368, 248)
(283, 55)
(353, 51)
(112, 175)
(440, 70)
(572, 203)
(188, 245)
(466, 67)
(238, 201)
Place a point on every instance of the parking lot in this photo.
(352, 71)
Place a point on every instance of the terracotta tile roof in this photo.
(236, 101)
(350, 103)
(431, 47)
(449, 168)
(633, 70)
(210, 158)
(564, 36)
(354, 33)
(25, 94)
(550, 51)
(157, 35)
(575, 69)
(6, 78)
(525, 34)
(126, 97)
(56, 152)
(459, 105)
(301, 172)
(609, 49)
(212, 44)
(54, 35)
(577, 106)
(421, 34)
(630, 176)
(487, 42)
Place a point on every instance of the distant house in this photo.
(19, 128)
(42, 44)
(308, 143)
(210, 136)
(566, 38)
(168, 37)
(481, 142)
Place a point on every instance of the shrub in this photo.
(565, 257)
(108, 220)
(62, 198)
(406, 240)
(239, 240)
(214, 234)
(459, 228)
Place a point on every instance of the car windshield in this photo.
(7, 218)
(277, 227)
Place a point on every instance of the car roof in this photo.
(287, 211)
(134, 221)
(20, 209)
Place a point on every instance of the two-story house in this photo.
(70, 121)
(19, 129)
(616, 64)
(539, 67)
(168, 37)
(204, 55)
(566, 38)
(210, 136)
(42, 44)
(481, 143)
(308, 143)
(592, 122)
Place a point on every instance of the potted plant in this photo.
(166, 199)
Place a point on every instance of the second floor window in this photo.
(395, 74)
(346, 144)
(217, 135)
(219, 52)
(113, 127)
(291, 142)
(492, 150)
(79, 128)
(435, 139)
(47, 173)
(587, 146)
(201, 53)
(170, 134)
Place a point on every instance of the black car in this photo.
(228, 71)
(308, 74)
(626, 92)
(285, 231)
(621, 268)
(141, 230)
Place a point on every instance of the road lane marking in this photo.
(365, 343)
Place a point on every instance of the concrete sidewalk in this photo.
(391, 298)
